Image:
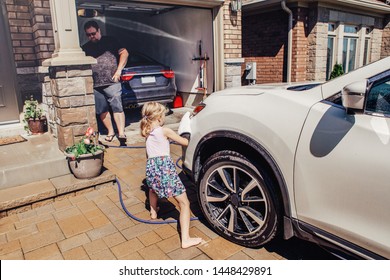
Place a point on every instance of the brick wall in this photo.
(265, 39)
(299, 45)
(232, 46)
(19, 16)
(42, 28)
(31, 31)
(32, 42)
(232, 32)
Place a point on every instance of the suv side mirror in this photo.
(353, 95)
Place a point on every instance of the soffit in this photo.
(373, 6)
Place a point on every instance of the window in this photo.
(378, 99)
(367, 49)
(349, 54)
(329, 58)
(348, 45)
(331, 49)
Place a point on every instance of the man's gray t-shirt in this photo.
(106, 52)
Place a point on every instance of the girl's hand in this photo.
(170, 134)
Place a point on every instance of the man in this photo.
(111, 57)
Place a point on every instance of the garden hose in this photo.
(170, 221)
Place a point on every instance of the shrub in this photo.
(337, 71)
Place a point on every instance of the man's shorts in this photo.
(107, 97)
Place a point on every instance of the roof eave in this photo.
(368, 5)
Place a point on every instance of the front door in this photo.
(9, 110)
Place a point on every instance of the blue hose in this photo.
(171, 221)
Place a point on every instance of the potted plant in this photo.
(85, 158)
(34, 118)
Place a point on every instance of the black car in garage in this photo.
(144, 79)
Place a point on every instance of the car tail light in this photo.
(197, 109)
(127, 76)
(169, 74)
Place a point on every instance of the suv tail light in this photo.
(127, 76)
(169, 74)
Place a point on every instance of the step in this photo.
(12, 129)
(36, 159)
(25, 197)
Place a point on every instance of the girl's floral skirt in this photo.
(162, 178)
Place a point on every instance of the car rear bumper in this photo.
(131, 97)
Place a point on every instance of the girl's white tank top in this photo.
(157, 144)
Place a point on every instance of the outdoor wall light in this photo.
(235, 5)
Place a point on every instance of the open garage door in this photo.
(174, 33)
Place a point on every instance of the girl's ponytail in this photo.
(151, 111)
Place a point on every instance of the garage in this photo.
(175, 33)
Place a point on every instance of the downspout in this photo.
(289, 43)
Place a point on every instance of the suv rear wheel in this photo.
(238, 200)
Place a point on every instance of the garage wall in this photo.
(171, 38)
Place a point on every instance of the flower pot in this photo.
(37, 126)
(86, 166)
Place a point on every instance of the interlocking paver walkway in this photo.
(93, 225)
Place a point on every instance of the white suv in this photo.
(308, 160)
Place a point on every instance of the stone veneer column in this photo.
(68, 93)
(68, 87)
(233, 72)
(385, 52)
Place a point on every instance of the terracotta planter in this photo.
(86, 166)
(38, 126)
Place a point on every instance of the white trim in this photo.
(377, 7)
(234, 60)
(193, 3)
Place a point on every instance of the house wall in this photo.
(385, 51)
(232, 32)
(264, 41)
(232, 26)
(32, 42)
(317, 44)
(300, 44)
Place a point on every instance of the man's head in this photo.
(92, 30)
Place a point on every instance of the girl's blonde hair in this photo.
(151, 111)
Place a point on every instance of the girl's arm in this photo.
(170, 134)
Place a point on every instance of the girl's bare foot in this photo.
(191, 242)
(154, 213)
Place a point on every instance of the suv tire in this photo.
(238, 199)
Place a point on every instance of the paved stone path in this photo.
(92, 224)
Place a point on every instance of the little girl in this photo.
(161, 176)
